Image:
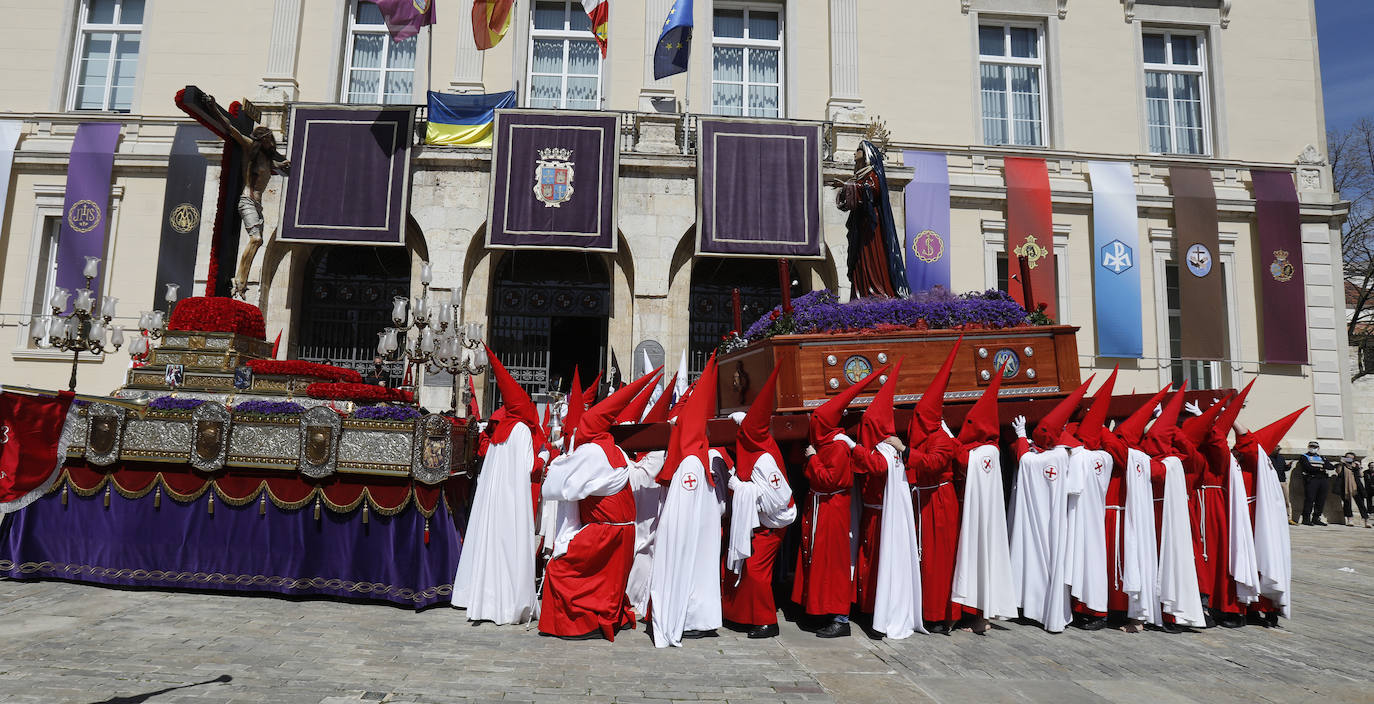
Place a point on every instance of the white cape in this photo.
(495, 579)
(1178, 588)
(983, 577)
(684, 586)
(1273, 553)
(648, 504)
(1242, 539)
(1088, 516)
(575, 476)
(897, 594)
(763, 501)
(1138, 548)
(1042, 540)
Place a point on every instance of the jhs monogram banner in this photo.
(553, 180)
(85, 211)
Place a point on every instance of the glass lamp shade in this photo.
(398, 311)
(445, 314)
(73, 327)
(171, 295)
(92, 267)
(108, 305)
(59, 298)
(427, 341)
(117, 336)
(426, 273)
(158, 318)
(97, 332)
(83, 300)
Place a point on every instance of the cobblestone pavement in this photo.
(63, 642)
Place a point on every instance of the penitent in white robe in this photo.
(897, 594)
(1088, 516)
(684, 587)
(1139, 552)
(495, 579)
(1242, 538)
(763, 501)
(1042, 540)
(1178, 590)
(648, 495)
(983, 577)
(1273, 553)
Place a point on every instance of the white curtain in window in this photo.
(993, 90)
(584, 58)
(727, 73)
(1157, 111)
(94, 71)
(1025, 104)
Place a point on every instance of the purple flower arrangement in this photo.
(936, 309)
(270, 408)
(396, 413)
(172, 403)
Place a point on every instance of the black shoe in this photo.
(938, 628)
(593, 635)
(1171, 628)
(1320, 522)
(836, 629)
(1271, 620)
(691, 635)
(768, 631)
(1306, 522)
(1094, 624)
(1232, 621)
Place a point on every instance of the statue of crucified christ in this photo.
(260, 161)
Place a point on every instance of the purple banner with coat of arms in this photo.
(85, 209)
(553, 180)
(759, 188)
(1283, 295)
(350, 174)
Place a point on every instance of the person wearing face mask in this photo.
(1352, 488)
(1316, 482)
(377, 376)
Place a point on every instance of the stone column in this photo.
(279, 82)
(844, 105)
(655, 96)
(467, 63)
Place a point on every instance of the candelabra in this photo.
(434, 339)
(84, 329)
(153, 324)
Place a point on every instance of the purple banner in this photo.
(758, 188)
(553, 180)
(350, 174)
(926, 201)
(139, 543)
(1283, 303)
(86, 209)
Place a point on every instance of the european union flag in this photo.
(675, 43)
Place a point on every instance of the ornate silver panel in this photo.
(320, 430)
(431, 451)
(379, 447)
(156, 436)
(210, 424)
(258, 444)
(106, 434)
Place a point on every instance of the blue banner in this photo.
(926, 202)
(1116, 266)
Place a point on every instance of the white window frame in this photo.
(83, 31)
(746, 43)
(1008, 60)
(563, 35)
(351, 31)
(1204, 85)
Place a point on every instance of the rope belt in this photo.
(610, 523)
(1202, 516)
(1116, 542)
(815, 517)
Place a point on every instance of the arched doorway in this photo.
(347, 301)
(713, 281)
(549, 314)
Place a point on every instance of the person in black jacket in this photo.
(1369, 487)
(1281, 469)
(1316, 474)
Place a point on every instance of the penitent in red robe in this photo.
(932, 471)
(747, 598)
(824, 583)
(1214, 538)
(584, 589)
(870, 469)
(1117, 600)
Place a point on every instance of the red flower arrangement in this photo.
(217, 314)
(297, 367)
(362, 393)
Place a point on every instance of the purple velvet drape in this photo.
(184, 546)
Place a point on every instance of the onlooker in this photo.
(1281, 469)
(378, 375)
(1316, 479)
(1369, 487)
(1351, 485)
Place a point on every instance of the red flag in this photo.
(490, 21)
(276, 345)
(30, 452)
(1030, 229)
(598, 11)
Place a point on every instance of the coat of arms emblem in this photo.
(1281, 269)
(553, 177)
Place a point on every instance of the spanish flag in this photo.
(490, 20)
(464, 120)
(599, 11)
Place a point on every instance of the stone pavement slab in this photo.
(64, 642)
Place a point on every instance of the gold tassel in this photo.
(64, 494)
(107, 495)
(157, 497)
(364, 513)
(210, 505)
(262, 504)
(317, 508)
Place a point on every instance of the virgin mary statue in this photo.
(875, 256)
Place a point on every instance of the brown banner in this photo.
(1201, 295)
(1278, 259)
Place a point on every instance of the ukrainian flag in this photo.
(464, 120)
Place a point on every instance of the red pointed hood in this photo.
(576, 406)
(1049, 431)
(659, 413)
(930, 410)
(1197, 428)
(514, 401)
(688, 437)
(596, 422)
(825, 420)
(878, 421)
(1132, 430)
(981, 425)
(755, 436)
(1095, 420)
(1271, 435)
(635, 410)
(1159, 440)
(1228, 417)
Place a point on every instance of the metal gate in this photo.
(347, 301)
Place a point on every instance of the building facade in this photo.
(1152, 84)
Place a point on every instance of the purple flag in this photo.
(86, 208)
(927, 221)
(743, 164)
(404, 18)
(1283, 301)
